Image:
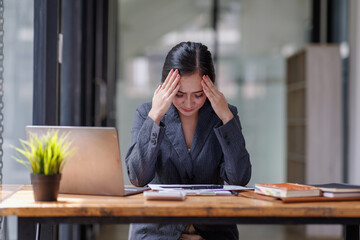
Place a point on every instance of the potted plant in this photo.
(46, 156)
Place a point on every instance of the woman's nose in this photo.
(188, 102)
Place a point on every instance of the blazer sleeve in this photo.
(146, 137)
(235, 167)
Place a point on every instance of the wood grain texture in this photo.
(22, 204)
(6, 190)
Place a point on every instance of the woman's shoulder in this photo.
(144, 108)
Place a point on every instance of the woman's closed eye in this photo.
(199, 95)
(180, 95)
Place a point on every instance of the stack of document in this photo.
(198, 189)
(339, 190)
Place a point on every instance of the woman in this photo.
(189, 134)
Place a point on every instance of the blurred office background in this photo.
(250, 40)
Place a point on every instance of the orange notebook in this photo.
(287, 190)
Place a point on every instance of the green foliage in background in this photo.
(46, 154)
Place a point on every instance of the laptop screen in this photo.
(95, 168)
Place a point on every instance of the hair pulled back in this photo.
(189, 58)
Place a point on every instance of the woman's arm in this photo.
(146, 137)
(236, 166)
(147, 132)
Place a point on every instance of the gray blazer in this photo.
(158, 154)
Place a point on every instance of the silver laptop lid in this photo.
(95, 168)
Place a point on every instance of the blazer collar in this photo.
(176, 136)
(206, 123)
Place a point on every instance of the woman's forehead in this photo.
(190, 83)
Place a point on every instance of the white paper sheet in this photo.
(198, 189)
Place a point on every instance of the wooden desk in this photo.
(195, 209)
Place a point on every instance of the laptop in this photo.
(95, 168)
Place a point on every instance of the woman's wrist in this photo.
(154, 116)
(227, 117)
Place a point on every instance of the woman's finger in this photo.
(211, 91)
(170, 78)
(174, 92)
(174, 83)
(209, 83)
(158, 88)
(167, 78)
(206, 90)
(173, 78)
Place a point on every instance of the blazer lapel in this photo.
(206, 123)
(175, 134)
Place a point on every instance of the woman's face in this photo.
(190, 97)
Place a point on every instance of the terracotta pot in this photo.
(45, 187)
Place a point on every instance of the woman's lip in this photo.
(187, 110)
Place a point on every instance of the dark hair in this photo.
(188, 58)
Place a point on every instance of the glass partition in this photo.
(254, 39)
(18, 83)
(18, 90)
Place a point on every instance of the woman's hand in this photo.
(217, 100)
(164, 96)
